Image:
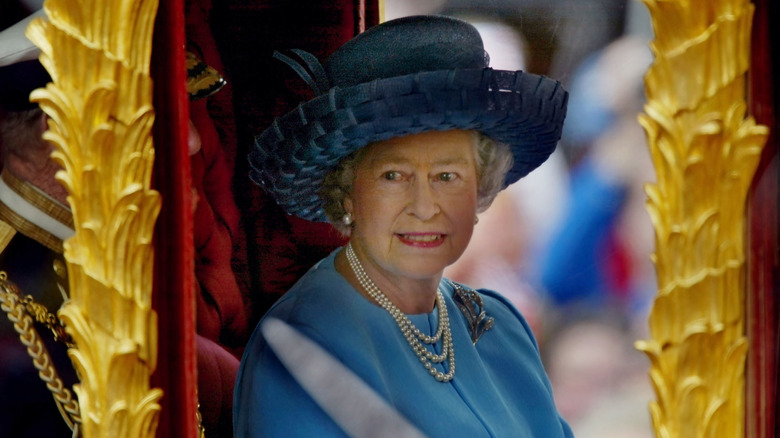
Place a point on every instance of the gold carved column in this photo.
(705, 150)
(100, 107)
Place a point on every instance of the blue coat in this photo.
(500, 388)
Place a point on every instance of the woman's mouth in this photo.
(425, 240)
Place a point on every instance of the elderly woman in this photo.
(411, 135)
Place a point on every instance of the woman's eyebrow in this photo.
(389, 159)
(392, 159)
(397, 159)
(451, 160)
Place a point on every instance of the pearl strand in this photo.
(410, 332)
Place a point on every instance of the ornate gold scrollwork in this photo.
(100, 107)
(705, 151)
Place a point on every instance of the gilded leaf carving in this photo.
(100, 108)
(705, 150)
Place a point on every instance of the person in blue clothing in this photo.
(411, 134)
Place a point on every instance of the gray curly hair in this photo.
(494, 160)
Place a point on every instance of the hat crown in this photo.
(406, 76)
(405, 46)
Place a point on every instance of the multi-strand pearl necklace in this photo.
(413, 336)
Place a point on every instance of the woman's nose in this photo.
(424, 203)
(193, 139)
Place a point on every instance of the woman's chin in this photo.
(422, 269)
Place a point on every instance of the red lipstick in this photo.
(422, 240)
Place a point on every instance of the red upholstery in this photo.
(216, 376)
(220, 305)
(257, 239)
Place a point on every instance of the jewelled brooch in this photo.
(470, 304)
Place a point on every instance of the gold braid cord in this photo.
(100, 103)
(705, 151)
(41, 314)
(15, 309)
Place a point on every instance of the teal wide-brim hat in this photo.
(405, 76)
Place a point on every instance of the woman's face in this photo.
(413, 202)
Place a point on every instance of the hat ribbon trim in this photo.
(317, 80)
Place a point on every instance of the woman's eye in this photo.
(447, 176)
(392, 175)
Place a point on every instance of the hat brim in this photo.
(291, 158)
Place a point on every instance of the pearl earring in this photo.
(476, 220)
(347, 219)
